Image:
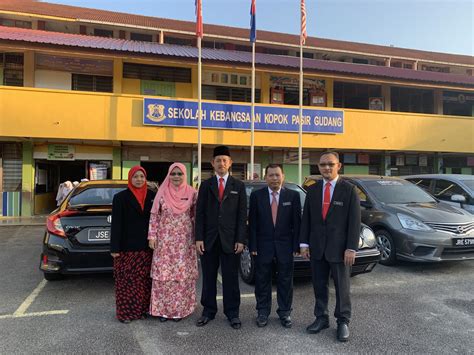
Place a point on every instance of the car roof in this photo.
(454, 177)
(359, 177)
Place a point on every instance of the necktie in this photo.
(327, 199)
(221, 189)
(274, 207)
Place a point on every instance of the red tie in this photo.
(274, 207)
(327, 199)
(221, 189)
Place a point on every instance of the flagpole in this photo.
(252, 125)
(300, 130)
(199, 111)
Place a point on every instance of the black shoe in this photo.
(286, 321)
(262, 321)
(203, 320)
(318, 325)
(343, 332)
(177, 319)
(235, 323)
(125, 321)
(162, 319)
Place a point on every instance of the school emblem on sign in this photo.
(156, 113)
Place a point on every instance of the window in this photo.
(361, 194)
(103, 33)
(444, 189)
(15, 23)
(96, 83)
(360, 61)
(141, 37)
(180, 41)
(353, 95)
(411, 100)
(423, 183)
(157, 73)
(12, 167)
(223, 93)
(13, 68)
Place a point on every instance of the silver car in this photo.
(455, 189)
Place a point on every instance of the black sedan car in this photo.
(77, 237)
(366, 257)
(409, 223)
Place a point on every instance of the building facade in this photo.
(89, 93)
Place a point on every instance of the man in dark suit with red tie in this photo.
(274, 224)
(221, 216)
(330, 237)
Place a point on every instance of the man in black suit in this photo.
(221, 217)
(330, 228)
(274, 223)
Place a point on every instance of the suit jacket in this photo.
(282, 239)
(341, 229)
(226, 220)
(129, 223)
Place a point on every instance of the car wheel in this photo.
(386, 246)
(52, 277)
(247, 267)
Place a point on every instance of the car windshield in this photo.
(100, 195)
(469, 184)
(301, 192)
(395, 191)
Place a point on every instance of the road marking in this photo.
(21, 311)
(30, 299)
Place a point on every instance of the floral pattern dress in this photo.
(174, 269)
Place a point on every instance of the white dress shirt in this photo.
(225, 177)
(277, 196)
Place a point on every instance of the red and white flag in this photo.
(199, 28)
(303, 35)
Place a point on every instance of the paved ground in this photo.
(412, 308)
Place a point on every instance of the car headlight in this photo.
(367, 238)
(408, 222)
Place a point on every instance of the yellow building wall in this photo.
(77, 115)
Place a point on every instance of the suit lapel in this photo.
(319, 199)
(228, 187)
(134, 202)
(214, 188)
(281, 200)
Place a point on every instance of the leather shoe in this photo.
(162, 319)
(235, 323)
(203, 320)
(318, 325)
(286, 321)
(262, 321)
(342, 332)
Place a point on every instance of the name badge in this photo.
(286, 203)
(234, 192)
(338, 203)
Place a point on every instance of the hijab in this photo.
(139, 193)
(180, 198)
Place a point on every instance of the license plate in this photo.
(98, 235)
(461, 242)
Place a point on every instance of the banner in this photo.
(177, 113)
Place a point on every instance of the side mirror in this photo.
(366, 204)
(458, 198)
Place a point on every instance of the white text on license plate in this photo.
(98, 235)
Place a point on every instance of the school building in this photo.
(87, 93)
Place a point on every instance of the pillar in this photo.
(27, 180)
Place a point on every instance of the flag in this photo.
(199, 29)
(303, 23)
(253, 27)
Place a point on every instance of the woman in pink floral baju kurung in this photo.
(171, 235)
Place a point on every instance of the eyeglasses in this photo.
(176, 174)
(327, 165)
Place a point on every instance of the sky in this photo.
(432, 25)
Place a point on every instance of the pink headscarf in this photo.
(180, 198)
